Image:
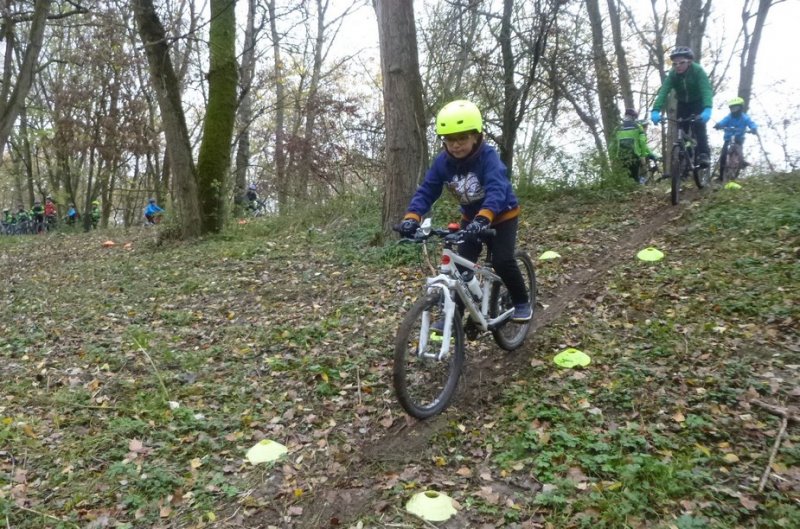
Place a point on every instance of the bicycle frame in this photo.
(450, 284)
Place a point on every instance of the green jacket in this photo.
(629, 137)
(690, 87)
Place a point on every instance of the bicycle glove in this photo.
(655, 116)
(705, 115)
(478, 224)
(408, 228)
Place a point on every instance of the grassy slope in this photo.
(283, 331)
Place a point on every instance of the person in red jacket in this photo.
(50, 212)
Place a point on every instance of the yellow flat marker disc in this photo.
(650, 254)
(431, 506)
(265, 451)
(549, 254)
(572, 358)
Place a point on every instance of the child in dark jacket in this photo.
(472, 172)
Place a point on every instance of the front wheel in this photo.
(733, 164)
(511, 335)
(424, 385)
(677, 167)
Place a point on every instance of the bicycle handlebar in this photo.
(449, 237)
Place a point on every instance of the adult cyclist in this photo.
(694, 94)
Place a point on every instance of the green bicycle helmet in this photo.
(736, 101)
(458, 116)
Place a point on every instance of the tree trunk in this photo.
(406, 147)
(692, 21)
(245, 114)
(167, 88)
(10, 109)
(281, 183)
(606, 92)
(214, 159)
(619, 50)
(510, 91)
(750, 50)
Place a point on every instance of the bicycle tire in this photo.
(421, 392)
(512, 335)
(702, 176)
(677, 167)
(733, 165)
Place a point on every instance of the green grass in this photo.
(136, 380)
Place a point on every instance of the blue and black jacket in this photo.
(478, 182)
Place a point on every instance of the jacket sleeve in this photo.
(663, 92)
(495, 184)
(428, 191)
(644, 149)
(706, 92)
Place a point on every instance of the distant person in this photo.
(735, 125)
(94, 214)
(22, 215)
(37, 214)
(72, 215)
(694, 95)
(152, 212)
(252, 197)
(50, 212)
(629, 147)
(471, 170)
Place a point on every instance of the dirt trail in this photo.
(350, 495)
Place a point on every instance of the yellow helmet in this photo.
(458, 116)
(736, 101)
(95, 202)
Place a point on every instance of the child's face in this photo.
(460, 145)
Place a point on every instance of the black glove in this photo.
(477, 225)
(718, 126)
(408, 228)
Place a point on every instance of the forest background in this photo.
(291, 96)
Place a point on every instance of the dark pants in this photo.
(502, 246)
(698, 127)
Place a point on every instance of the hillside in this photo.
(136, 378)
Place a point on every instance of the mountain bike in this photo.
(683, 160)
(734, 158)
(428, 362)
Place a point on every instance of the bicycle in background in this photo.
(427, 359)
(683, 160)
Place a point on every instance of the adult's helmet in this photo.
(251, 187)
(6, 210)
(631, 112)
(95, 202)
(151, 200)
(736, 101)
(458, 116)
(48, 197)
(682, 51)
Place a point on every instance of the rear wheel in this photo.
(678, 167)
(511, 335)
(424, 385)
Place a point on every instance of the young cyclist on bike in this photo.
(694, 95)
(50, 212)
(472, 171)
(735, 125)
(72, 215)
(629, 145)
(151, 211)
(37, 213)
